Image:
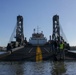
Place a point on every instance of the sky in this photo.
(37, 13)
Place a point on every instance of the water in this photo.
(38, 68)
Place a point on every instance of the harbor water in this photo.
(38, 68)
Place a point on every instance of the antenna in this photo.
(34, 30)
(37, 29)
(42, 32)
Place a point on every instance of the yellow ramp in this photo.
(38, 54)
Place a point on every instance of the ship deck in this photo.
(33, 53)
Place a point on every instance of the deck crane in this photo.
(19, 30)
(18, 33)
(56, 36)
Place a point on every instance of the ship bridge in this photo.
(38, 39)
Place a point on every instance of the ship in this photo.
(38, 38)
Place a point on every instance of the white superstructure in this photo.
(37, 39)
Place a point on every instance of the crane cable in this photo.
(13, 34)
(62, 33)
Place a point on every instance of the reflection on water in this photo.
(38, 68)
(58, 68)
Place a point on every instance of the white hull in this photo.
(38, 41)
